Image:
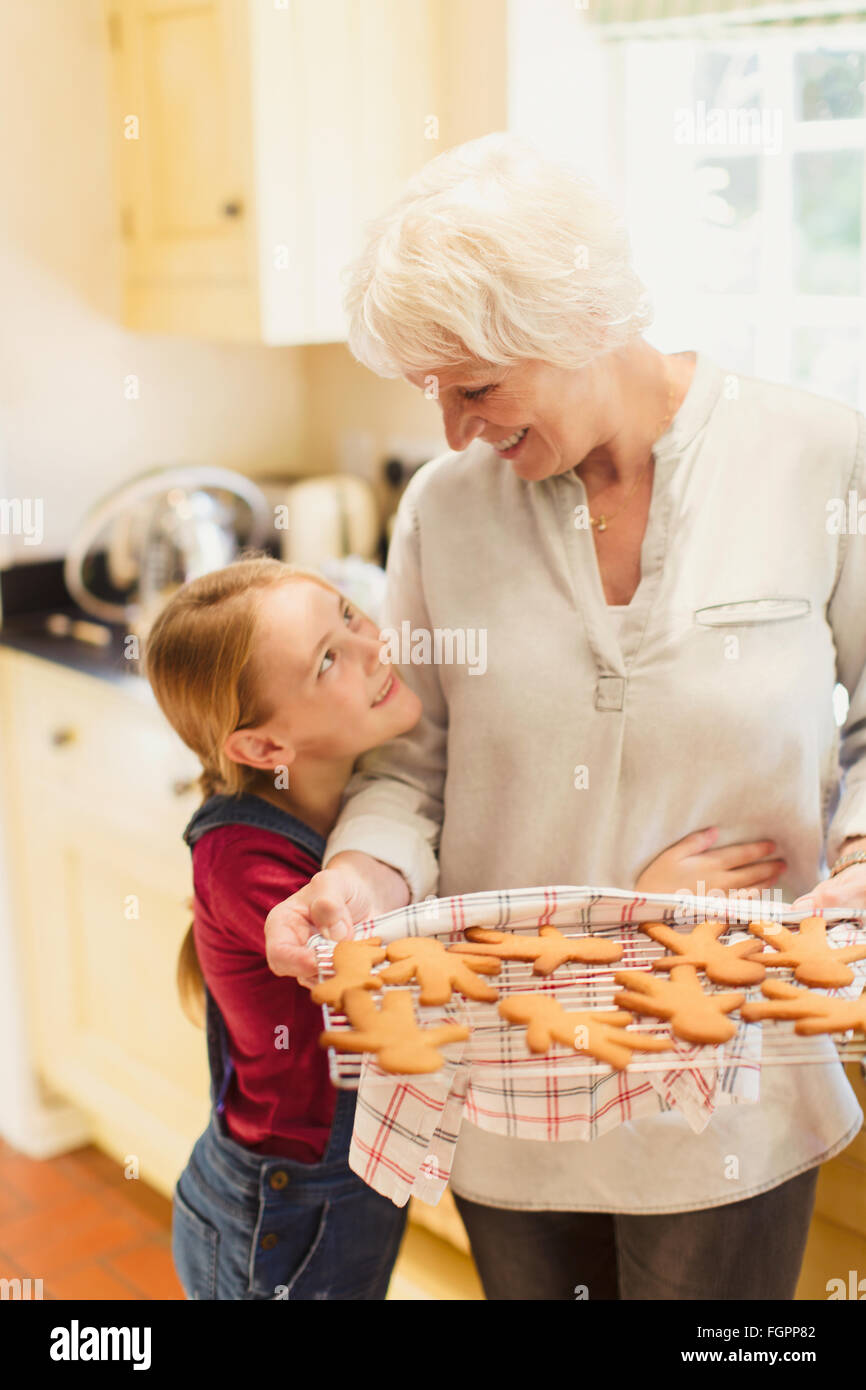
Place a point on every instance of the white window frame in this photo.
(656, 186)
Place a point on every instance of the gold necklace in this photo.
(603, 521)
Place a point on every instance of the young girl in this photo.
(276, 682)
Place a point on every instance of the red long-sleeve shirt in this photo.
(280, 1100)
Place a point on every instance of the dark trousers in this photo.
(740, 1251)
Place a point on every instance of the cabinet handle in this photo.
(233, 208)
(61, 737)
(182, 786)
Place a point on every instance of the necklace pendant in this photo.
(602, 523)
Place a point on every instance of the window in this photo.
(745, 184)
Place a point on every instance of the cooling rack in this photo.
(495, 1045)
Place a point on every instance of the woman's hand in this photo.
(352, 888)
(693, 866)
(846, 890)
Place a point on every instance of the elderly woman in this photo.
(648, 542)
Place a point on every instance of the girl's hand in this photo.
(693, 866)
(352, 888)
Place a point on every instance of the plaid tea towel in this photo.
(406, 1129)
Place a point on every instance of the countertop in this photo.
(26, 632)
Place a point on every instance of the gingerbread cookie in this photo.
(724, 964)
(352, 970)
(424, 959)
(815, 1013)
(601, 1034)
(814, 961)
(547, 951)
(695, 1015)
(392, 1033)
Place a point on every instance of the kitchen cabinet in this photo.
(99, 790)
(182, 127)
(253, 141)
(443, 1220)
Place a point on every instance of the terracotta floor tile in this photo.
(130, 1206)
(96, 1172)
(106, 1237)
(149, 1204)
(28, 1229)
(149, 1269)
(37, 1181)
(61, 1236)
(90, 1282)
(88, 1232)
(92, 1167)
(11, 1269)
(12, 1203)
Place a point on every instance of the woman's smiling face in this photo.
(542, 419)
(319, 672)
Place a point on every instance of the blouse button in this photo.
(610, 693)
(279, 1180)
(269, 1241)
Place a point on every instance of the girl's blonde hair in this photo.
(198, 657)
(496, 254)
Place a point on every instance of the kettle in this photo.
(150, 536)
(190, 532)
(325, 517)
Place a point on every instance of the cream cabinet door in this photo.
(105, 919)
(182, 136)
(97, 790)
(344, 110)
(254, 141)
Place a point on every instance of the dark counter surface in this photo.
(29, 595)
(26, 632)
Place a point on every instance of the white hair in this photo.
(494, 254)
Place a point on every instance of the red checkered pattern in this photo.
(406, 1129)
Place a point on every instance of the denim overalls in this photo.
(247, 1226)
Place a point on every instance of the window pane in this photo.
(827, 360)
(730, 80)
(829, 86)
(828, 190)
(727, 193)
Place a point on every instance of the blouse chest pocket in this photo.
(752, 611)
(771, 650)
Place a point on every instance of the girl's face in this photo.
(319, 672)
